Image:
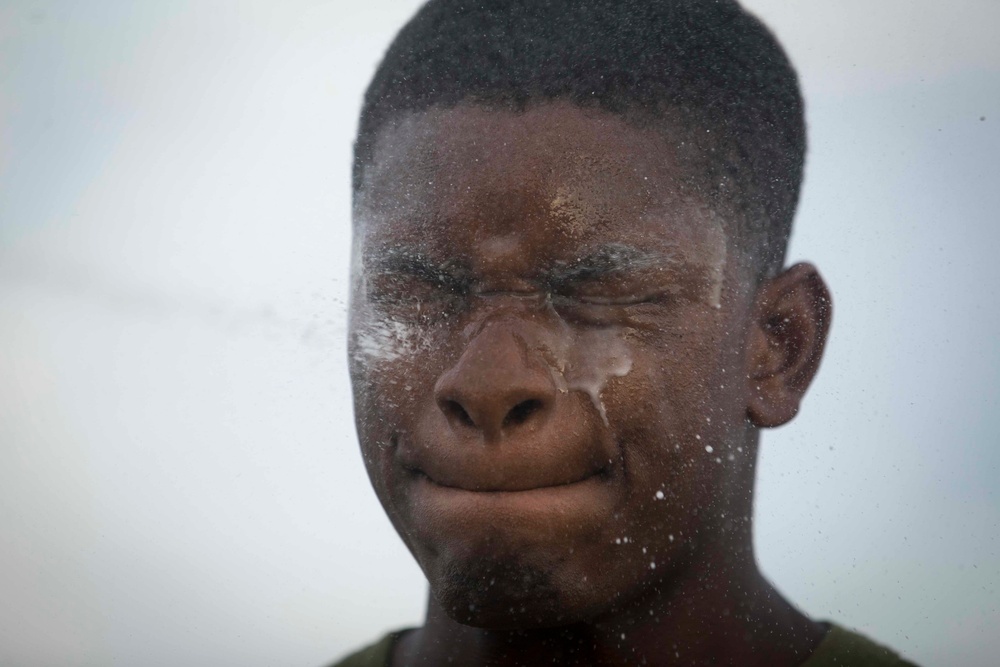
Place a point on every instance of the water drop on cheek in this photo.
(594, 361)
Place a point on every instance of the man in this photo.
(570, 319)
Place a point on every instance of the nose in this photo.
(498, 387)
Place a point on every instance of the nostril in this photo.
(455, 411)
(521, 412)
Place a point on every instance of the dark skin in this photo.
(561, 360)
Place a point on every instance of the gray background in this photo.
(179, 480)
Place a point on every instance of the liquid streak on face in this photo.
(542, 341)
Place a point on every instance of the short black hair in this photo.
(707, 68)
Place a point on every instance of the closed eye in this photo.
(621, 300)
(600, 310)
(407, 296)
(406, 283)
(614, 288)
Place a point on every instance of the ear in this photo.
(790, 319)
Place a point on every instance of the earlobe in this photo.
(789, 324)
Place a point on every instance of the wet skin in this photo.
(560, 362)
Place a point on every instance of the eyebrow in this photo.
(608, 259)
(603, 261)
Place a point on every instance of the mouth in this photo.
(517, 467)
(474, 504)
(523, 515)
(510, 485)
(524, 494)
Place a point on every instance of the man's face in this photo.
(546, 346)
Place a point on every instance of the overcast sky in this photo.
(179, 476)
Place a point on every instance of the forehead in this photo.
(578, 175)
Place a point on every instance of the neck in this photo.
(721, 615)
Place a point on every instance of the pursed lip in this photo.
(517, 465)
(527, 505)
(509, 486)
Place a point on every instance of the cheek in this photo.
(670, 416)
(381, 356)
(378, 342)
(672, 383)
(385, 401)
(687, 373)
(392, 366)
(664, 441)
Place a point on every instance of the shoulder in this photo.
(378, 654)
(843, 648)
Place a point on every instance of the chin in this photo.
(504, 594)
